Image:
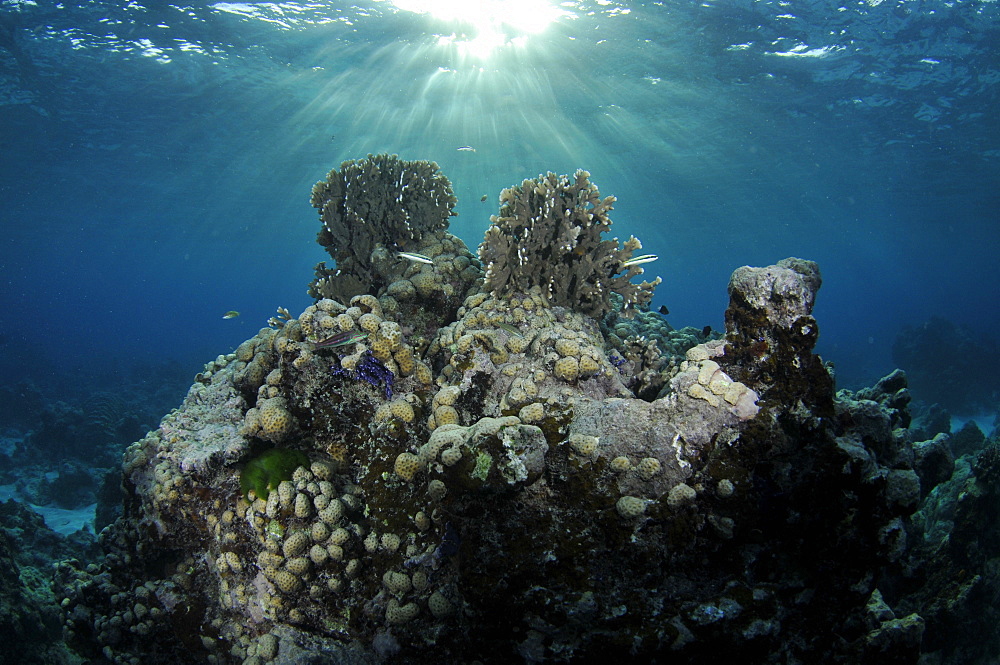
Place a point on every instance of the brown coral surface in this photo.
(480, 482)
(549, 235)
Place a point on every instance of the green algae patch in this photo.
(484, 462)
(264, 472)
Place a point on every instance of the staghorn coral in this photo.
(548, 234)
(380, 201)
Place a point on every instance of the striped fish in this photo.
(340, 339)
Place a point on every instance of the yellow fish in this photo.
(231, 314)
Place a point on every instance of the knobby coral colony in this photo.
(502, 496)
(548, 234)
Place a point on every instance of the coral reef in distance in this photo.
(947, 365)
(437, 468)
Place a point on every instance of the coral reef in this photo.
(264, 473)
(949, 365)
(646, 350)
(30, 617)
(771, 332)
(412, 511)
(489, 488)
(424, 295)
(549, 234)
(380, 204)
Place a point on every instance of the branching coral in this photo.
(548, 234)
(377, 201)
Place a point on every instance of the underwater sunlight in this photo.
(484, 26)
(499, 331)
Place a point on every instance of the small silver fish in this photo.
(231, 314)
(419, 258)
(639, 260)
(465, 148)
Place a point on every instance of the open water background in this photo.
(157, 159)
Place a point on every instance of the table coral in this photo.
(381, 200)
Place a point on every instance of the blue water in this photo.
(157, 159)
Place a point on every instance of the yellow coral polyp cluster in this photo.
(567, 369)
(345, 322)
(532, 413)
(396, 614)
(648, 467)
(368, 304)
(426, 282)
(392, 333)
(681, 495)
(275, 420)
(287, 581)
(630, 507)
(402, 289)
(522, 391)
(403, 410)
(369, 322)
(588, 366)
(439, 605)
(451, 456)
(407, 466)
(446, 396)
(397, 583)
(464, 344)
(446, 415)
(380, 348)
(446, 436)
(584, 445)
(567, 347)
(621, 464)
(422, 373)
(517, 344)
(404, 360)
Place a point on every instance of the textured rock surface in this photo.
(29, 614)
(490, 489)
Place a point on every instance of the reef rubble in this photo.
(488, 487)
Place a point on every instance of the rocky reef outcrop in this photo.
(30, 616)
(349, 487)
